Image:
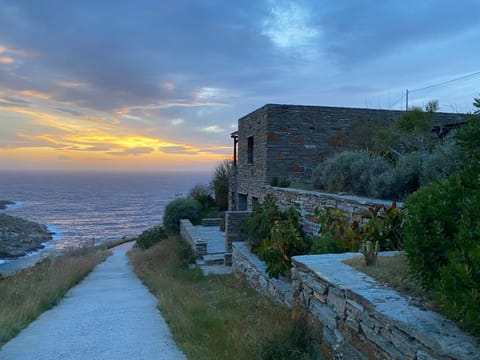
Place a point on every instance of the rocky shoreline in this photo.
(5, 203)
(19, 237)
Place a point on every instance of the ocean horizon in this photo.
(85, 205)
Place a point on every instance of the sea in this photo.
(78, 207)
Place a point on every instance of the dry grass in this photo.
(211, 317)
(24, 295)
(394, 271)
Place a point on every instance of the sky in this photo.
(109, 85)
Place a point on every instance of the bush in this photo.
(202, 193)
(261, 220)
(284, 241)
(220, 184)
(443, 246)
(442, 161)
(178, 209)
(352, 172)
(443, 236)
(282, 182)
(150, 237)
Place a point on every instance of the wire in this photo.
(446, 82)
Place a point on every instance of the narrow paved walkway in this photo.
(109, 315)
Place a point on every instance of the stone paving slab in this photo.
(214, 237)
(110, 315)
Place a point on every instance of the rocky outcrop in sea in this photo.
(18, 236)
(5, 203)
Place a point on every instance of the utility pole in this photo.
(406, 100)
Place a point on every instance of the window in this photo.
(250, 150)
(242, 202)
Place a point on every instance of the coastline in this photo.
(5, 204)
(20, 237)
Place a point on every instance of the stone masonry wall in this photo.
(233, 223)
(307, 201)
(250, 176)
(190, 235)
(247, 265)
(356, 318)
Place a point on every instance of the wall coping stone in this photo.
(428, 327)
(340, 196)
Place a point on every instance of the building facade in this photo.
(289, 141)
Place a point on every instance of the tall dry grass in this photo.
(214, 316)
(29, 292)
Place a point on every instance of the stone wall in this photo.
(247, 265)
(251, 175)
(356, 318)
(233, 223)
(190, 235)
(307, 201)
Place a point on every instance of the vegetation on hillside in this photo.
(216, 316)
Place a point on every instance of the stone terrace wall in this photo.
(190, 235)
(233, 223)
(307, 201)
(246, 264)
(358, 319)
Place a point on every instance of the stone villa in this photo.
(288, 141)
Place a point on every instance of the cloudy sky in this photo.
(159, 85)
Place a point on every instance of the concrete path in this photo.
(109, 315)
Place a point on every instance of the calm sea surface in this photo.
(82, 206)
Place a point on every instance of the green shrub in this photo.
(443, 246)
(259, 223)
(220, 184)
(280, 182)
(336, 233)
(178, 209)
(381, 225)
(285, 240)
(445, 159)
(202, 193)
(351, 172)
(443, 236)
(150, 237)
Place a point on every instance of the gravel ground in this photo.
(109, 315)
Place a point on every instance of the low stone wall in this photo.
(307, 201)
(233, 223)
(247, 264)
(190, 235)
(359, 319)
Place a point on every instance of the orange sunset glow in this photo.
(155, 86)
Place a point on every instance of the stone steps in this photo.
(214, 259)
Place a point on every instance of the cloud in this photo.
(132, 151)
(6, 60)
(177, 150)
(213, 129)
(176, 122)
(288, 26)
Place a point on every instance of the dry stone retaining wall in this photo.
(359, 319)
(307, 201)
(253, 270)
